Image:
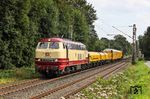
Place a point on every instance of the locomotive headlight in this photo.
(37, 59)
(55, 60)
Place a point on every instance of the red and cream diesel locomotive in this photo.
(55, 56)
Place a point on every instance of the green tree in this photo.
(80, 27)
(145, 43)
(140, 39)
(9, 34)
(23, 22)
(121, 43)
(66, 20)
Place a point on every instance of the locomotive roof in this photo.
(59, 40)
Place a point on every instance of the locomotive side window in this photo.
(54, 45)
(68, 45)
(43, 45)
(73, 46)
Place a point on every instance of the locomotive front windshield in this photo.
(43, 45)
(53, 45)
(50, 45)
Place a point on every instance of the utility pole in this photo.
(134, 41)
(134, 44)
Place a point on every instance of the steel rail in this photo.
(19, 83)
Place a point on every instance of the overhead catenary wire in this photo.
(116, 28)
(122, 32)
(102, 29)
(108, 34)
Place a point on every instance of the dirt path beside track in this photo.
(147, 63)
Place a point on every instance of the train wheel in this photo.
(87, 66)
(59, 73)
(83, 67)
(97, 64)
(73, 69)
(94, 64)
(67, 70)
(100, 64)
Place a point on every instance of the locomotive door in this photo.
(67, 52)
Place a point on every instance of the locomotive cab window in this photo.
(54, 45)
(42, 45)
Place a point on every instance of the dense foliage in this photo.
(144, 43)
(23, 22)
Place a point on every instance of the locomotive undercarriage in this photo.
(54, 72)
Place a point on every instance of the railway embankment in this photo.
(132, 83)
(16, 75)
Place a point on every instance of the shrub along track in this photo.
(31, 88)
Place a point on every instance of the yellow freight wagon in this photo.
(102, 56)
(106, 56)
(114, 54)
(94, 56)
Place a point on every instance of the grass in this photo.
(141, 76)
(118, 86)
(17, 74)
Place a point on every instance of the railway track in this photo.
(16, 84)
(4, 90)
(29, 84)
(85, 81)
(67, 96)
(25, 86)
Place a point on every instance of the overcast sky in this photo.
(121, 14)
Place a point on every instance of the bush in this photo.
(18, 74)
